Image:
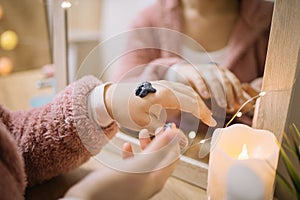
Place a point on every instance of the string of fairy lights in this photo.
(205, 143)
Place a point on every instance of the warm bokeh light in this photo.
(8, 40)
(1, 12)
(6, 66)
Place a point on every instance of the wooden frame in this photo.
(281, 68)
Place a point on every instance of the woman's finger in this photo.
(155, 157)
(212, 75)
(228, 90)
(250, 90)
(197, 81)
(184, 98)
(201, 87)
(236, 85)
(167, 138)
(144, 138)
(127, 151)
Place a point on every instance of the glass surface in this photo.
(92, 24)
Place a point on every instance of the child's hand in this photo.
(135, 113)
(145, 140)
(138, 177)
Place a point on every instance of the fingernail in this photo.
(213, 122)
(144, 134)
(205, 94)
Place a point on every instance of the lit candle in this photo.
(244, 154)
(242, 163)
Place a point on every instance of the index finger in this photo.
(184, 98)
(236, 85)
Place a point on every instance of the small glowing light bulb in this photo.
(6, 66)
(244, 154)
(239, 114)
(9, 40)
(263, 93)
(66, 4)
(192, 135)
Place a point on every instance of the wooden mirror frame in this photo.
(281, 68)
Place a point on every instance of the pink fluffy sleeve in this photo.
(59, 136)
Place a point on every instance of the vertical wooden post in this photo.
(281, 67)
(60, 50)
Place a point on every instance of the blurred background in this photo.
(27, 33)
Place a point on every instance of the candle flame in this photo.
(244, 154)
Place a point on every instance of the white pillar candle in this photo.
(242, 163)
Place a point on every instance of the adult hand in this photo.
(145, 139)
(161, 154)
(136, 113)
(210, 81)
(249, 93)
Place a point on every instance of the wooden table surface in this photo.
(17, 89)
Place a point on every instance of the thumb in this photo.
(161, 152)
(184, 98)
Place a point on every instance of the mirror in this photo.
(92, 23)
(114, 17)
(114, 20)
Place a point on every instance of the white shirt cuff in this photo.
(97, 109)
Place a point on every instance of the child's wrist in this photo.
(97, 106)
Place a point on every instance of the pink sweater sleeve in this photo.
(59, 136)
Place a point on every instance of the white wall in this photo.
(117, 14)
(94, 21)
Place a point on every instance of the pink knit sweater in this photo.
(40, 143)
(247, 46)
